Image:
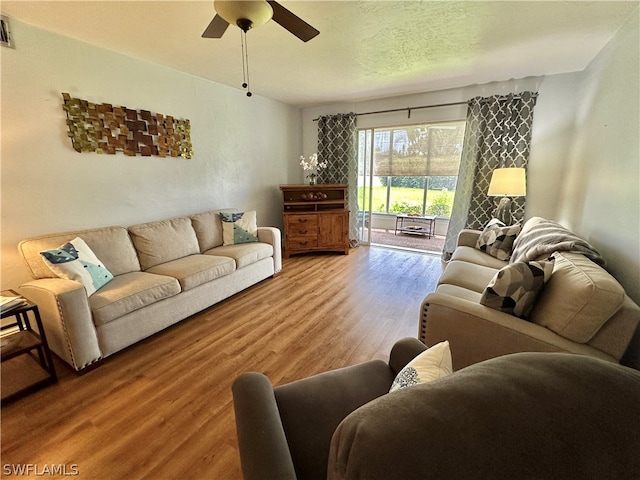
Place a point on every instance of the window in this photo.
(409, 169)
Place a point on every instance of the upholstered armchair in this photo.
(524, 416)
(286, 431)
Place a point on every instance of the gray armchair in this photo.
(525, 416)
(286, 431)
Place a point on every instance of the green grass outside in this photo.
(413, 196)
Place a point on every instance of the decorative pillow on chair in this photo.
(514, 288)
(430, 365)
(497, 239)
(76, 261)
(241, 227)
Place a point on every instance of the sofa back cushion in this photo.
(163, 241)
(112, 245)
(578, 299)
(208, 228)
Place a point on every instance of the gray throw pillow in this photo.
(497, 239)
(514, 288)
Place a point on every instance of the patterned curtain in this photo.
(498, 134)
(337, 145)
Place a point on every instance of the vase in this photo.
(312, 180)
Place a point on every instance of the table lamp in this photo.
(507, 183)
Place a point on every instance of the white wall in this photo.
(244, 147)
(602, 180)
(552, 132)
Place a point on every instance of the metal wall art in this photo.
(103, 128)
(6, 39)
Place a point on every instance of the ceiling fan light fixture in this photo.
(244, 13)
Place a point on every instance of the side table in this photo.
(27, 364)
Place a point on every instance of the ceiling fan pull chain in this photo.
(245, 62)
(244, 67)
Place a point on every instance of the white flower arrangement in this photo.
(312, 165)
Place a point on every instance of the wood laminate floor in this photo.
(162, 409)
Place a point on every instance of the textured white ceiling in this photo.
(365, 50)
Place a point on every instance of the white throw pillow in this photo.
(76, 261)
(430, 365)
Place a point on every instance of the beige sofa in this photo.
(163, 272)
(581, 309)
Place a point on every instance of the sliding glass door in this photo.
(407, 170)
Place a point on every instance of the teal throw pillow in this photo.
(76, 261)
(239, 228)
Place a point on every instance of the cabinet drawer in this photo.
(302, 243)
(302, 220)
(302, 230)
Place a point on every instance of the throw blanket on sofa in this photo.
(546, 237)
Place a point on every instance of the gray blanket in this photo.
(548, 237)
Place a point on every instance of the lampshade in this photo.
(510, 182)
(257, 12)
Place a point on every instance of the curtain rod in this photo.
(408, 109)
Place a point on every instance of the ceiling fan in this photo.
(247, 14)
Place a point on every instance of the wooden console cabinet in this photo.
(315, 218)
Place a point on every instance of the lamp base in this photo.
(503, 211)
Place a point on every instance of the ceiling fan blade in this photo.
(216, 28)
(291, 22)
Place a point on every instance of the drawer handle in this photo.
(302, 220)
(303, 232)
(303, 243)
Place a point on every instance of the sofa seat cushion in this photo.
(578, 299)
(245, 253)
(195, 270)
(477, 257)
(163, 241)
(467, 275)
(129, 292)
